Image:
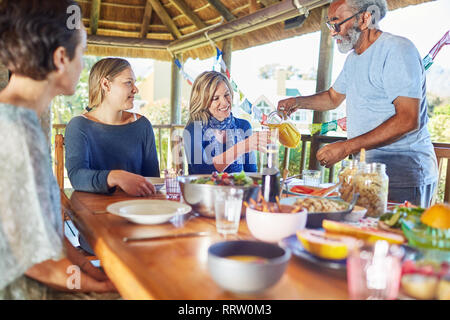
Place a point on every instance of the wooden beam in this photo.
(253, 4)
(165, 18)
(146, 19)
(183, 7)
(262, 18)
(95, 13)
(227, 50)
(128, 42)
(224, 12)
(267, 3)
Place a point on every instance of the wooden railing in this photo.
(164, 149)
(443, 151)
(159, 128)
(305, 146)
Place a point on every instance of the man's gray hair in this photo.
(377, 8)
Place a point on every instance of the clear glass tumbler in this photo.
(374, 271)
(312, 178)
(173, 191)
(227, 208)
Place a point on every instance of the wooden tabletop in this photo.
(176, 269)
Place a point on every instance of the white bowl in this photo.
(272, 227)
(157, 182)
(148, 211)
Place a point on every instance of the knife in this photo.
(168, 236)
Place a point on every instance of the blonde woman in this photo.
(214, 139)
(108, 147)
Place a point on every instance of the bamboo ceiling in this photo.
(120, 27)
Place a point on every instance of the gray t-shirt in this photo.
(389, 68)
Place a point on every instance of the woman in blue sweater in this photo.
(107, 147)
(214, 139)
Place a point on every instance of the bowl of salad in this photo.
(199, 190)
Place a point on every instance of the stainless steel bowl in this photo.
(201, 196)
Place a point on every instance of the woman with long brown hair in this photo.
(44, 55)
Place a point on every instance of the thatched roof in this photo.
(145, 28)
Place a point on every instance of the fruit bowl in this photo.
(422, 236)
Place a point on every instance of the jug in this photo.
(270, 188)
(288, 134)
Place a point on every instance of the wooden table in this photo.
(176, 269)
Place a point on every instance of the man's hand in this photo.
(332, 153)
(322, 101)
(287, 106)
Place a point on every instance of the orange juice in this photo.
(288, 134)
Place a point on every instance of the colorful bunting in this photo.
(342, 123)
(315, 127)
(328, 126)
(246, 106)
(187, 77)
(428, 60)
(258, 115)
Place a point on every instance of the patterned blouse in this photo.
(30, 213)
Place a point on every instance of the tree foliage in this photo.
(65, 108)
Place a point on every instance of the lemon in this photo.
(437, 216)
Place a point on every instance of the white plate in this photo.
(157, 182)
(148, 211)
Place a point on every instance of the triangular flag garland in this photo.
(428, 60)
(342, 123)
(315, 127)
(219, 64)
(328, 126)
(185, 75)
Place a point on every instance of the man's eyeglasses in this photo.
(337, 26)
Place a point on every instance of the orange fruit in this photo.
(437, 216)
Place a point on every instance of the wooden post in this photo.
(253, 6)
(59, 160)
(4, 77)
(175, 94)
(323, 82)
(227, 49)
(95, 14)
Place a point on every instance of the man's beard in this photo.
(349, 41)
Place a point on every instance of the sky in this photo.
(423, 24)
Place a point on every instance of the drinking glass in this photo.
(173, 191)
(227, 208)
(374, 271)
(311, 178)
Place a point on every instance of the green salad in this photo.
(225, 179)
(394, 219)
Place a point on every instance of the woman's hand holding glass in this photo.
(132, 184)
(258, 141)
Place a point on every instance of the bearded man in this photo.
(383, 82)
